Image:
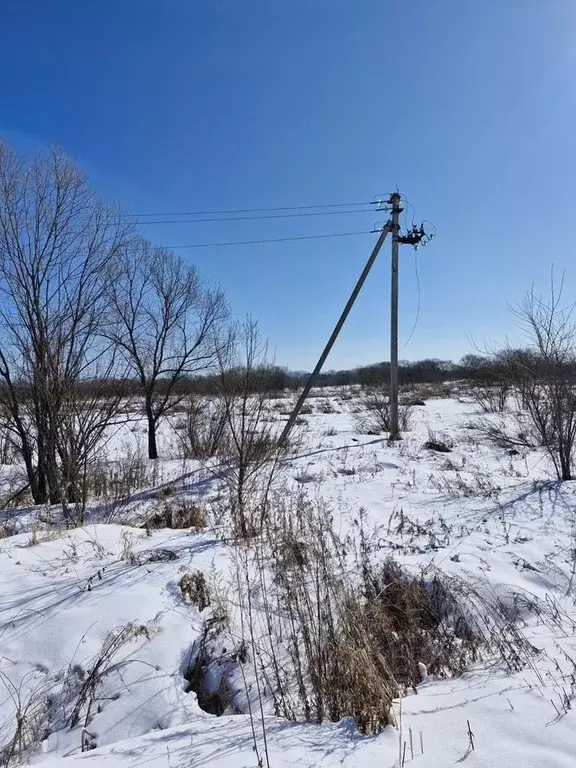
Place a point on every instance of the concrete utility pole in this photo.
(415, 236)
(396, 210)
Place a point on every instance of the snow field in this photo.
(496, 521)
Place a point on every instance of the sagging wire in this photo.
(407, 204)
(419, 299)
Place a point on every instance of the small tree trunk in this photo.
(56, 493)
(35, 477)
(152, 446)
(41, 482)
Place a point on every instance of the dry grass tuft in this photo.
(7, 530)
(180, 514)
(195, 589)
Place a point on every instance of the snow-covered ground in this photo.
(495, 519)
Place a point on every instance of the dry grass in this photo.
(103, 664)
(177, 514)
(114, 484)
(195, 589)
(7, 530)
(326, 406)
(69, 703)
(345, 642)
(27, 728)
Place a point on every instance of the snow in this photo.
(499, 522)
(227, 743)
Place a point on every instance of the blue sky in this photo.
(467, 106)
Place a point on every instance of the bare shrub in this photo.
(548, 393)
(374, 414)
(439, 443)
(544, 375)
(91, 413)
(15, 495)
(249, 448)
(516, 434)
(205, 427)
(492, 398)
(116, 483)
(440, 390)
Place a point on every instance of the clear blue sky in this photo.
(468, 106)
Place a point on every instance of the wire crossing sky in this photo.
(263, 118)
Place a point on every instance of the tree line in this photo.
(274, 378)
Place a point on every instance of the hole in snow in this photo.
(212, 672)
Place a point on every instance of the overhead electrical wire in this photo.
(253, 218)
(273, 240)
(419, 300)
(408, 204)
(279, 212)
(258, 210)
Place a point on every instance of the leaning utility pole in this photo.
(384, 232)
(396, 210)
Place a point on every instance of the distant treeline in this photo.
(276, 379)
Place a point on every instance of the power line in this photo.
(273, 240)
(259, 210)
(419, 299)
(252, 218)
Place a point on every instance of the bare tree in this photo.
(249, 445)
(548, 388)
(57, 240)
(544, 376)
(167, 323)
(93, 409)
